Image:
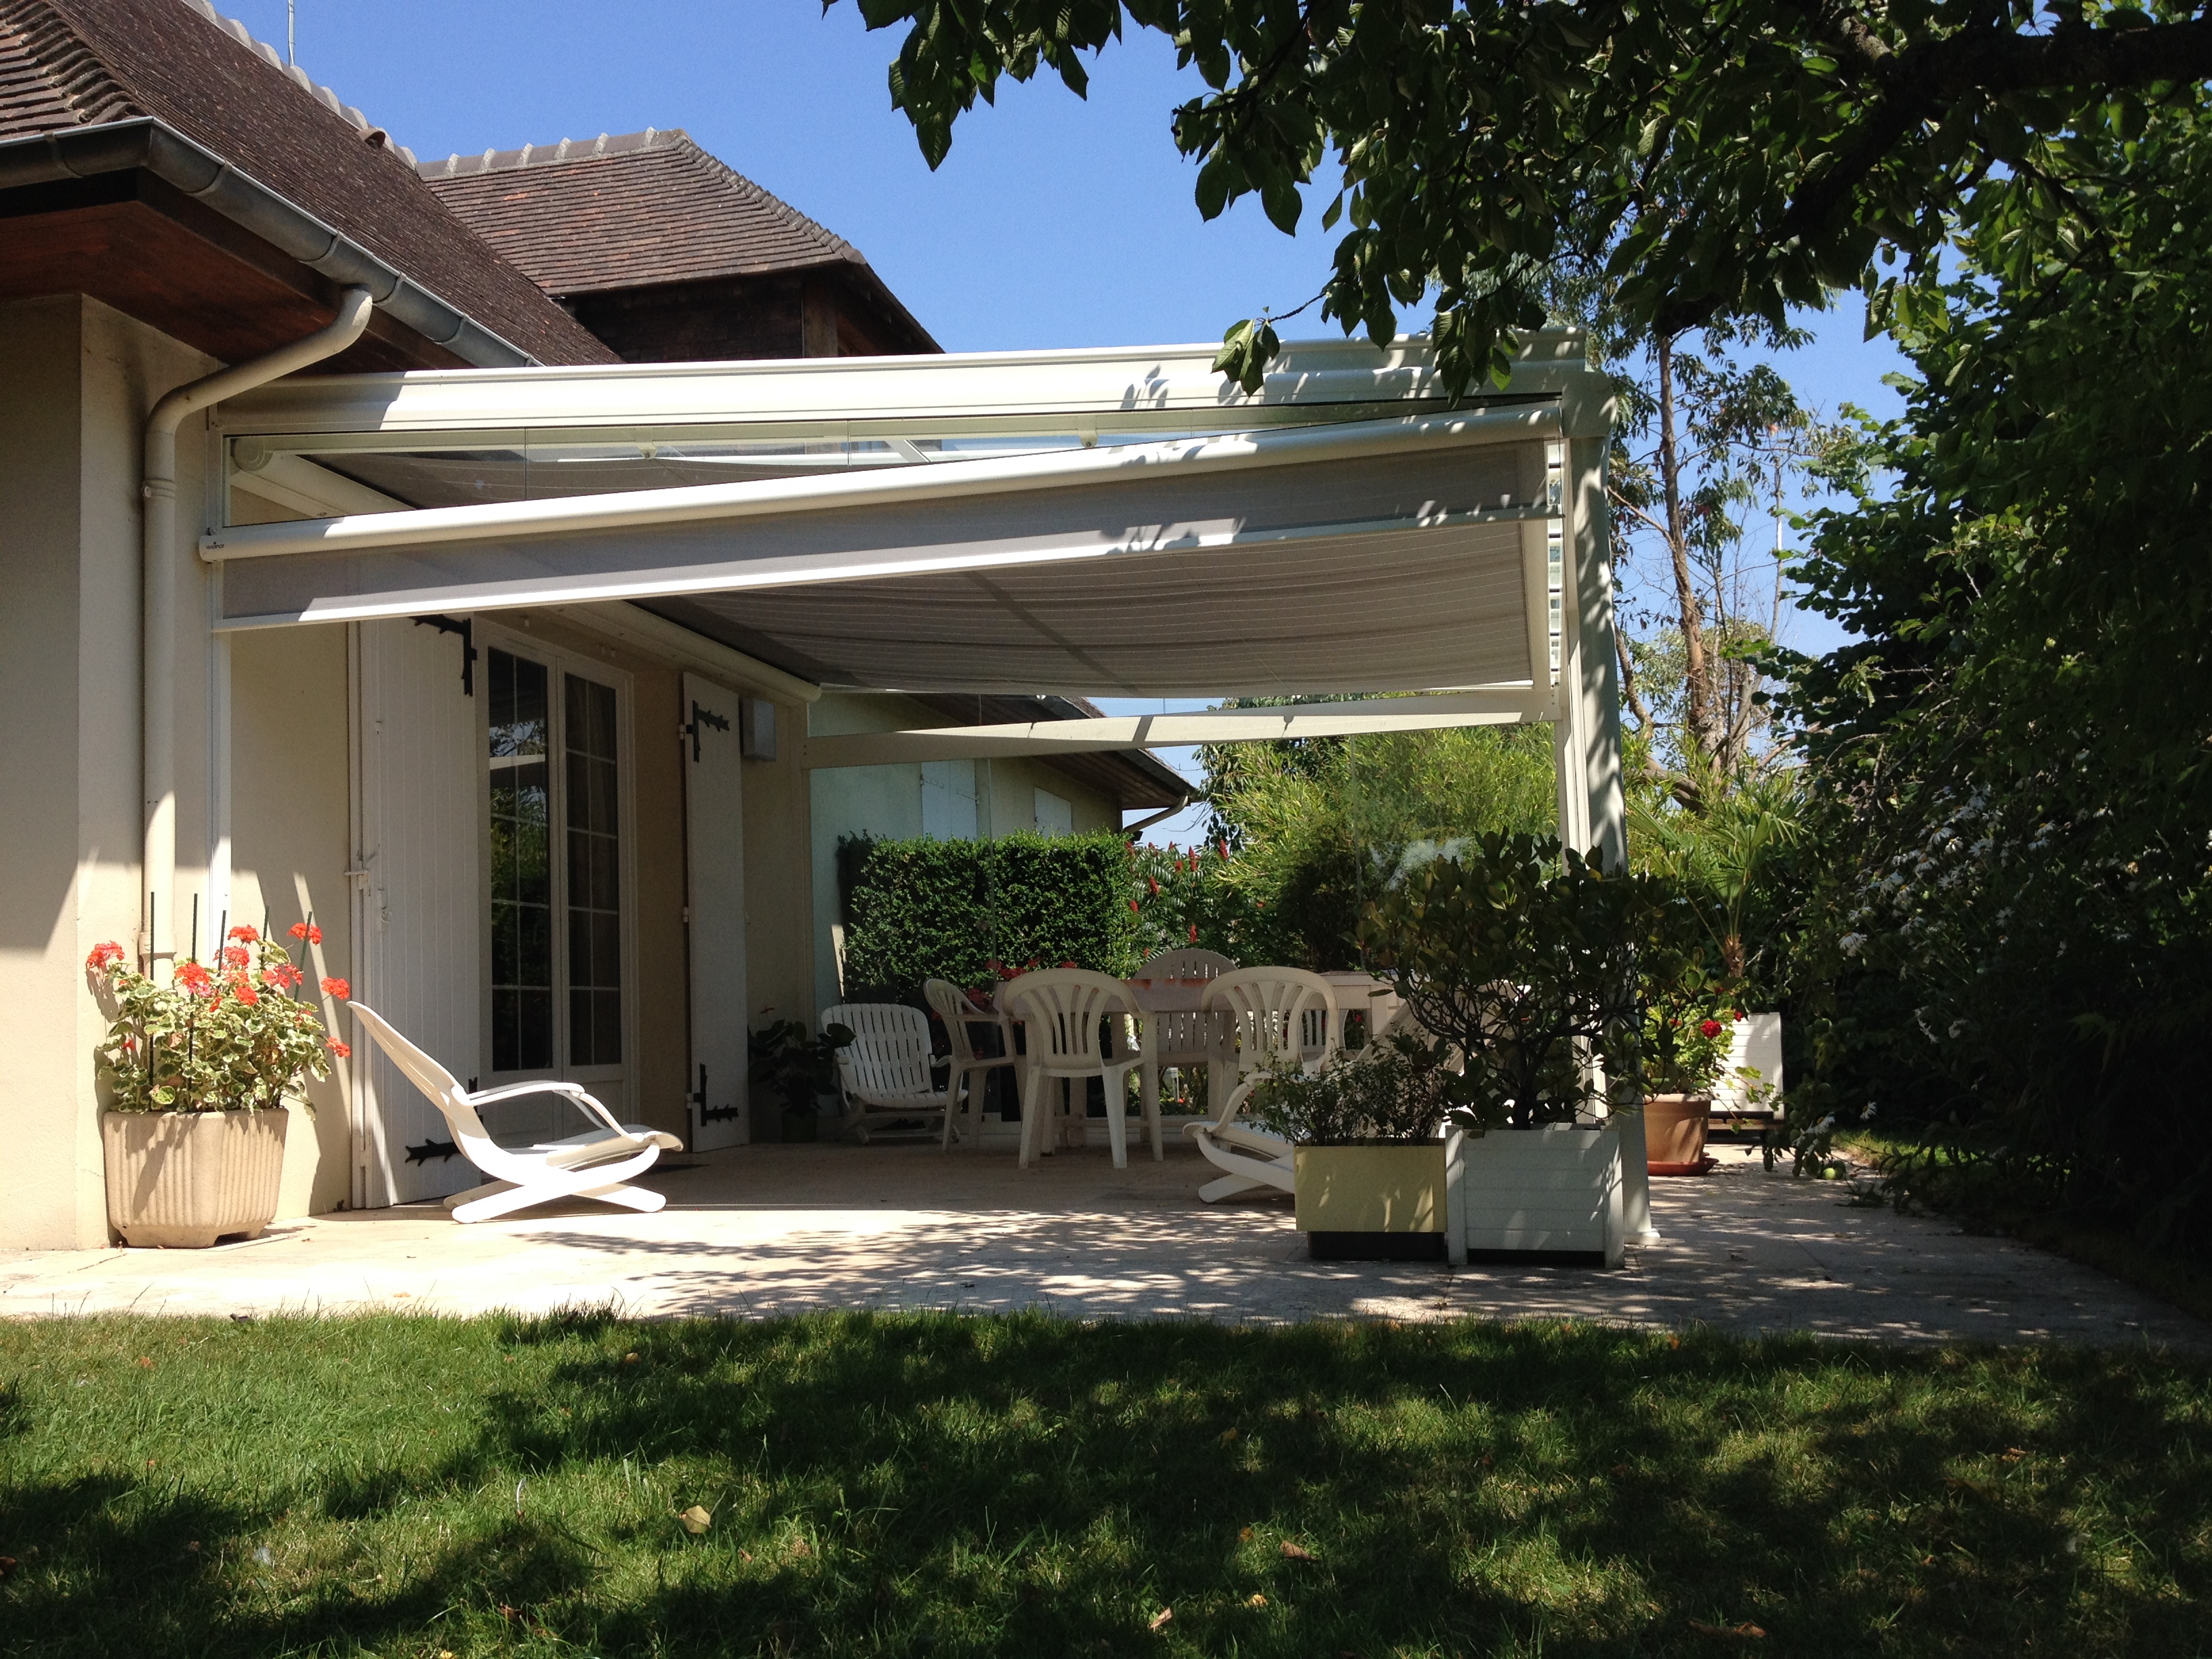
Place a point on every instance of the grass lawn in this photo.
(949, 1485)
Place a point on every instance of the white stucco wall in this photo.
(75, 379)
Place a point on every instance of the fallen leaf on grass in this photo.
(1160, 1619)
(800, 1551)
(1746, 1632)
(7, 1565)
(629, 1359)
(696, 1520)
(1245, 1536)
(2011, 1455)
(1256, 1600)
(1619, 1469)
(1297, 1552)
(144, 1363)
(1228, 1434)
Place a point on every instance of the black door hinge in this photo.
(466, 628)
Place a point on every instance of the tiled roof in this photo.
(640, 210)
(82, 62)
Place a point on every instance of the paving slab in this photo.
(761, 1230)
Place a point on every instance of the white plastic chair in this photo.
(1277, 1012)
(1063, 1010)
(962, 1019)
(1183, 1039)
(595, 1164)
(884, 1072)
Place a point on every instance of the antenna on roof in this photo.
(291, 34)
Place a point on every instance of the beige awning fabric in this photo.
(1387, 611)
(1384, 555)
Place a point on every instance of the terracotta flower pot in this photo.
(1674, 1132)
(182, 1180)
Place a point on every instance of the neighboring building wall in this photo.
(79, 378)
(889, 802)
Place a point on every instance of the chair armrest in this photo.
(585, 1101)
(515, 1091)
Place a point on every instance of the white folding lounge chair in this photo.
(1063, 1010)
(1249, 1156)
(962, 1021)
(885, 1070)
(596, 1164)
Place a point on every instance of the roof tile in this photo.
(628, 212)
(80, 62)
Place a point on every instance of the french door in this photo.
(559, 911)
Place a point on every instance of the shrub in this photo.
(1396, 1090)
(958, 909)
(1524, 964)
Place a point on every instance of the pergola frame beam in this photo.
(1350, 717)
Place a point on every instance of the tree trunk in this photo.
(1699, 722)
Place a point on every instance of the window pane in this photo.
(594, 900)
(521, 864)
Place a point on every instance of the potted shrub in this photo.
(795, 1065)
(1522, 958)
(1688, 1032)
(200, 1070)
(1367, 1135)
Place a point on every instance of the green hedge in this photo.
(955, 909)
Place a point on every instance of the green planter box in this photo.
(1380, 1202)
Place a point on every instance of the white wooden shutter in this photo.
(419, 909)
(715, 861)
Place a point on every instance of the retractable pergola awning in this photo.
(1107, 524)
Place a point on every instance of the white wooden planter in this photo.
(1555, 1192)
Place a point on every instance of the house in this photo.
(669, 256)
(543, 688)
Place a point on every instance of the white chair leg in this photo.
(474, 1193)
(630, 1198)
(1032, 1114)
(1117, 1119)
(504, 1203)
(1226, 1186)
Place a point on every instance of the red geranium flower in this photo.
(336, 988)
(194, 979)
(1710, 1028)
(102, 954)
(245, 993)
(1193, 933)
(247, 935)
(234, 956)
(344, 1051)
(309, 931)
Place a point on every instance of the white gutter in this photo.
(952, 480)
(157, 574)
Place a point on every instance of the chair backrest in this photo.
(889, 1053)
(1063, 1009)
(957, 1010)
(1278, 1013)
(443, 1088)
(1186, 962)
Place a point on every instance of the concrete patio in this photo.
(777, 1230)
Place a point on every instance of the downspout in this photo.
(157, 573)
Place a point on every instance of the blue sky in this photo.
(1055, 222)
